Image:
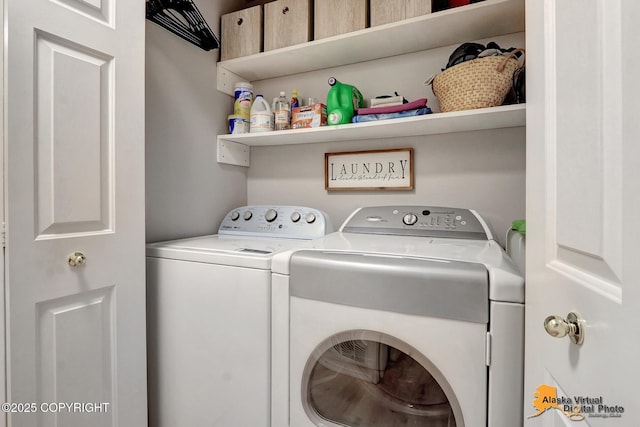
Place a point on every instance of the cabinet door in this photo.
(74, 141)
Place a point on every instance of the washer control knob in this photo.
(295, 217)
(310, 218)
(247, 215)
(271, 215)
(235, 215)
(410, 219)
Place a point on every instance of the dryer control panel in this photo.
(425, 221)
(292, 222)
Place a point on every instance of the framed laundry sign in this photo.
(390, 169)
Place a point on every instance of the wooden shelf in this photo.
(234, 149)
(458, 25)
(476, 21)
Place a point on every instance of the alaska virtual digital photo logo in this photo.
(576, 408)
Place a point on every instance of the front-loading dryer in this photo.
(209, 310)
(408, 316)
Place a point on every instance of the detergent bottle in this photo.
(294, 99)
(342, 102)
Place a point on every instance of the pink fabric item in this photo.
(418, 103)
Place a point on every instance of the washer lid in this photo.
(239, 251)
(425, 287)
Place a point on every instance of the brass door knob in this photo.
(76, 259)
(573, 326)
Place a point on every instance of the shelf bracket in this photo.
(226, 80)
(233, 153)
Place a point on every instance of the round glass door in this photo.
(360, 382)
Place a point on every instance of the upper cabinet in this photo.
(476, 21)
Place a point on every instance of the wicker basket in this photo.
(477, 83)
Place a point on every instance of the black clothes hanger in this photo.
(183, 18)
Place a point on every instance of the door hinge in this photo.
(487, 356)
(4, 236)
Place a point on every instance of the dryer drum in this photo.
(405, 380)
(405, 393)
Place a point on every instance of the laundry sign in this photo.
(390, 169)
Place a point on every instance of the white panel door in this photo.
(74, 141)
(583, 199)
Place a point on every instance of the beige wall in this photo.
(480, 170)
(187, 191)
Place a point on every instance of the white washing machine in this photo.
(408, 316)
(209, 317)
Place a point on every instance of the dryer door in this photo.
(360, 381)
(352, 366)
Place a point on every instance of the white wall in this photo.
(483, 170)
(187, 191)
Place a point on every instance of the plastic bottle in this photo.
(516, 242)
(261, 116)
(295, 103)
(282, 113)
(294, 99)
(342, 102)
(243, 94)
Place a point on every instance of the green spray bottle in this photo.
(342, 102)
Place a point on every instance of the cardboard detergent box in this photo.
(309, 116)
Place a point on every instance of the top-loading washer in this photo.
(209, 317)
(408, 315)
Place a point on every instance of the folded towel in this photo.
(374, 117)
